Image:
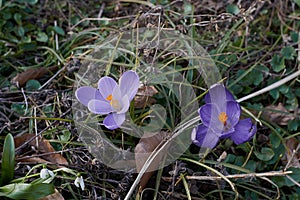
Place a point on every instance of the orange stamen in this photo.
(109, 97)
(223, 118)
(114, 103)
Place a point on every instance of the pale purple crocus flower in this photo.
(110, 98)
(220, 119)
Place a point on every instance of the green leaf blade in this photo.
(59, 30)
(288, 52)
(266, 154)
(32, 85)
(8, 160)
(26, 191)
(277, 63)
(232, 9)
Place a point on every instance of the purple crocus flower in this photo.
(220, 119)
(110, 98)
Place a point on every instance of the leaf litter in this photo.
(37, 150)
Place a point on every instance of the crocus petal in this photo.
(125, 104)
(106, 86)
(114, 120)
(218, 94)
(209, 117)
(244, 131)
(86, 93)
(204, 137)
(205, 114)
(129, 84)
(116, 93)
(116, 102)
(227, 132)
(233, 111)
(99, 107)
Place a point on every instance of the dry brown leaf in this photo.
(55, 196)
(143, 150)
(33, 160)
(36, 73)
(43, 147)
(144, 96)
(277, 114)
(292, 154)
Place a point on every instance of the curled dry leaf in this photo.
(292, 154)
(29, 74)
(43, 147)
(277, 114)
(144, 96)
(143, 150)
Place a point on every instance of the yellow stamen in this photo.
(109, 97)
(223, 118)
(115, 103)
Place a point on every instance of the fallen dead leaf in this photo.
(35, 160)
(55, 196)
(43, 147)
(143, 150)
(144, 96)
(292, 154)
(277, 114)
(29, 74)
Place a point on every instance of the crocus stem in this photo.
(270, 87)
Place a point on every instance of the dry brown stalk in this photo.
(249, 175)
